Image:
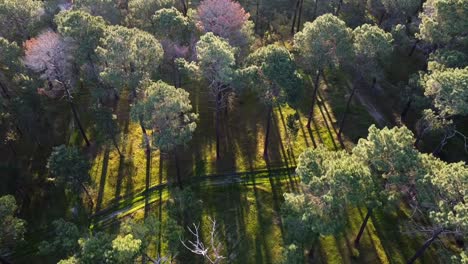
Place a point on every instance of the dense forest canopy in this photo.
(233, 131)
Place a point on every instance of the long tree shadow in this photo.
(290, 148)
(102, 181)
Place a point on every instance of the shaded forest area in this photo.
(221, 131)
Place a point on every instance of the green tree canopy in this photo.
(12, 229)
(85, 30)
(276, 69)
(140, 12)
(444, 22)
(326, 42)
(216, 59)
(171, 24)
(168, 112)
(65, 241)
(128, 56)
(19, 19)
(108, 9)
(69, 166)
(447, 89)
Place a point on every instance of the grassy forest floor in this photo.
(242, 191)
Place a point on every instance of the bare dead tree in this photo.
(211, 252)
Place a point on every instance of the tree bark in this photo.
(338, 8)
(294, 17)
(363, 227)
(314, 97)
(413, 48)
(421, 251)
(405, 111)
(77, 120)
(5, 91)
(179, 180)
(346, 112)
(267, 134)
(218, 99)
(374, 81)
(381, 18)
(315, 9)
(298, 27)
(148, 167)
(257, 13)
(114, 141)
(184, 7)
(89, 196)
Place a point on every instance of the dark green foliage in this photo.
(69, 166)
(65, 241)
(12, 228)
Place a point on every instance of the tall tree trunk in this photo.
(148, 166)
(374, 82)
(184, 7)
(298, 27)
(338, 8)
(314, 97)
(257, 14)
(176, 159)
(294, 17)
(419, 137)
(77, 119)
(441, 145)
(414, 48)
(363, 227)
(114, 141)
(6, 94)
(348, 104)
(405, 111)
(218, 110)
(421, 251)
(315, 9)
(381, 18)
(91, 203)
(267, 134)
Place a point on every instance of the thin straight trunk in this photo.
(338, 8)
(77, 119)
(405, 111)
(294, 17)
(179, 180)
(348, 104)
(114, 141)
(148, 168)
(218, 98)
(91, 203)
(257, 12)
(374, 81)
(413, 48)
(419, 138)
(267, 134)
(441, 145)
(314, 97)
(184, 7)
(12, 149)
(315, 9)
(381, 18)
(363, 227)
(174, 68)
(298, 28)
(420, 252)
(5, 91)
